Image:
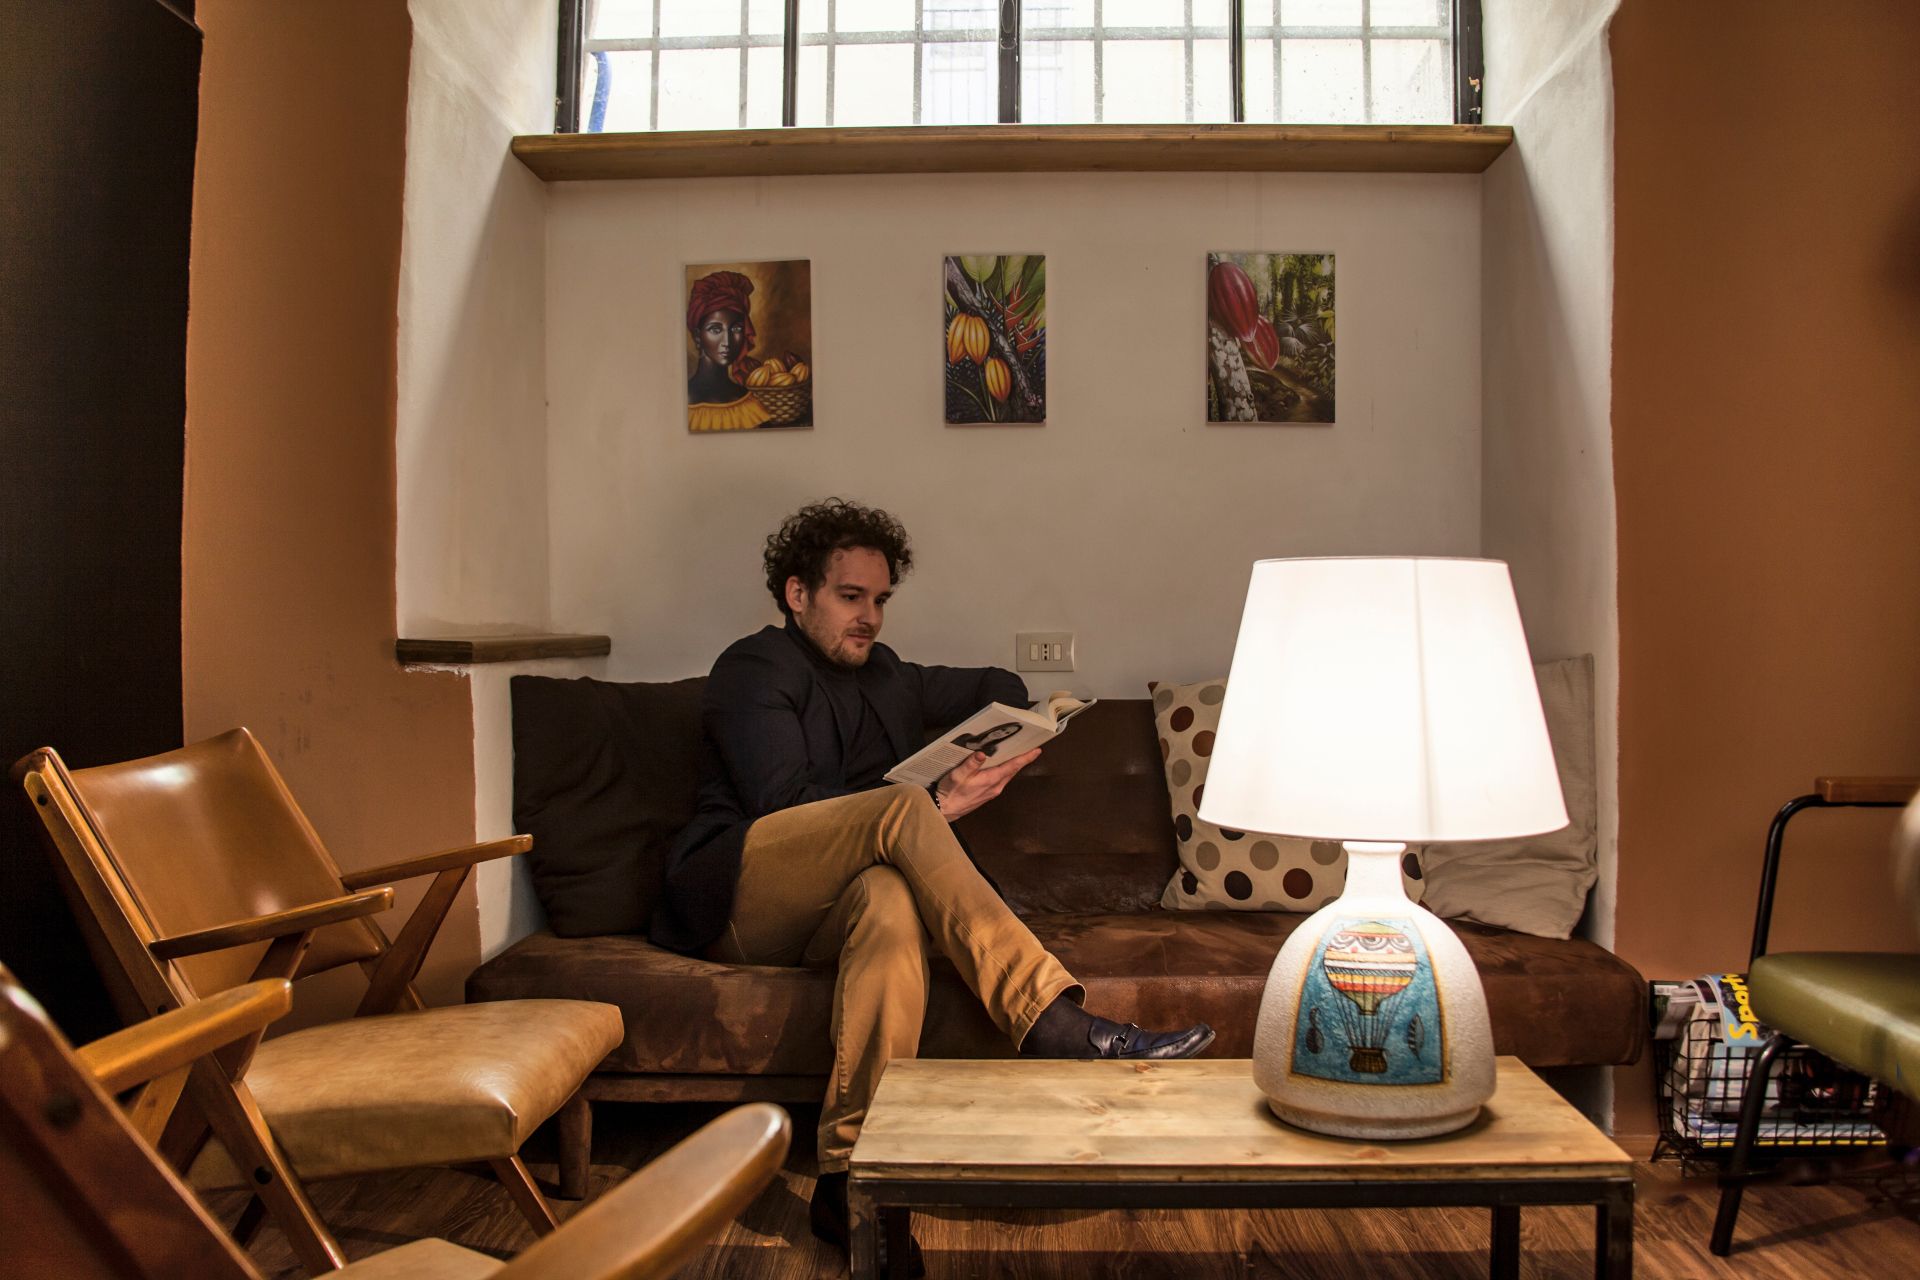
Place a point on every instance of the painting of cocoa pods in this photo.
(749, 346)
(996, 327)
(1270, 337)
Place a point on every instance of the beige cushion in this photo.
(1222, 869)
(437, 1086)
(423, 1260)
(1535, 884)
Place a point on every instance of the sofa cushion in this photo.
(1226, 870)
(1553, 1003)
(1084, 827)
(604, 777)
(1534, 884)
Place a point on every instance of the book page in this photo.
(997, 730)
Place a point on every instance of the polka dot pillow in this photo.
(1226, 870)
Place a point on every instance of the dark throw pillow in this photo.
(605, 776)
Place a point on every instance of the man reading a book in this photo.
(801, 854)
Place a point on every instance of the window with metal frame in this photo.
(641, 65)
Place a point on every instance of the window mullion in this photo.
(1009, 47)
(573, 38)
(790, 68)
(1237, 58)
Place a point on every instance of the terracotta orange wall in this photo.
(288, 595)
(1766, 417)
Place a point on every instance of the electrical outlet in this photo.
(1043, 651)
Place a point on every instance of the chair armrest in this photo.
(1866, 790)
(152, 1048)
(659, 1218)
(427, 864)
(312, 915)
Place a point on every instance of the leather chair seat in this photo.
(1862, 1009)
(423, 1260)
(1553, 1002)
(436, 1086)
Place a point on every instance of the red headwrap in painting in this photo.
(721, 291)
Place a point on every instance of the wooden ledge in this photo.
(466, 650)
(1014, 148)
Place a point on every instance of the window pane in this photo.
(958, 83)
(873, 15)
(810, 86)
(1212, 82)
(767, 17)
(982, 17)
(1143, 81)
(1056, 82)
(1320, 13)
(1409, 13)
(1412, 82)
(1259, 63)
(1210, 13)
(699, 89)
(1039, 15)
(873, 84)
(1144, 13)
(698, 18)
(621, 19)
(627, 79)
(764, 67)
(1257, 13)
(1320, 82)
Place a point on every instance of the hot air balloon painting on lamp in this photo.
(1368, 1008)
(1378, 701)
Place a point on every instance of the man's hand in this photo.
(976, 780)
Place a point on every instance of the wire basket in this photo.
(1813, 1104)
(786, 404)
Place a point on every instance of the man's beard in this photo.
(834, 648)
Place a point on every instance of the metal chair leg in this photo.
(1733, 1182)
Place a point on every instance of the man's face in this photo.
(843, 617)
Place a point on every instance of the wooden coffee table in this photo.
(1198, 1135)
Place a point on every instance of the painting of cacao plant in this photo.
(1270, 337)
(996, 326)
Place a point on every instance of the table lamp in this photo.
(1379, 702)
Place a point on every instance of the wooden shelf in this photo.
(467, 650)
(1011, 148)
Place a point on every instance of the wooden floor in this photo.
(1865, 1227)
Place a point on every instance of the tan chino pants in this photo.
(872, 880)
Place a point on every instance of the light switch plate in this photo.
(1043, 651)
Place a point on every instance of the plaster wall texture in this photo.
(1546, 449)
(1768, 311)
(288, 531)
(471, 436)
(1125, 519)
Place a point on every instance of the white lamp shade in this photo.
(1382, 700)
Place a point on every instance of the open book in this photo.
(1001, 731)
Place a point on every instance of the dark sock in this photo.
(1059, 1031)
(828, 1212)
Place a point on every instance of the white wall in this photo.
(1548, 444)
(1125, 519)
(1547, 447)
(471, 430)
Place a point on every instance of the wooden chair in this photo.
(86, 1196)
(195, 871)
(1861, 1009)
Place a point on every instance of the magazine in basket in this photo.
(996, 730)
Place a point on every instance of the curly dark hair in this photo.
(804, 544)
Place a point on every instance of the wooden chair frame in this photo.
(112, 1191)
(138, 963)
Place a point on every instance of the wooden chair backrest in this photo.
(81, 1195)
(189, 839)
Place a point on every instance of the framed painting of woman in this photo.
(749, 346)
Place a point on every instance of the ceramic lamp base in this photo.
(1373, 1024)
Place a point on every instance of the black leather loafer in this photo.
(1110, 1039)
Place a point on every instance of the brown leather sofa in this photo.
(1081, 846)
